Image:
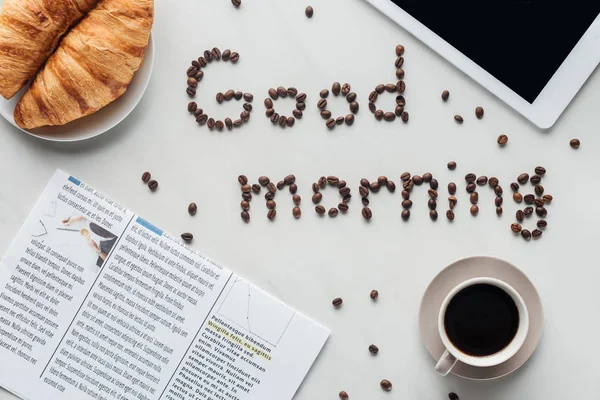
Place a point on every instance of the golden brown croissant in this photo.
(29, 32)
(92, 66)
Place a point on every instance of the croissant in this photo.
(29, 32)
(92, 66)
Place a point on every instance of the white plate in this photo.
(98, 122)
(461, 271)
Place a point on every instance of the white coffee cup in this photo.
(452, 354)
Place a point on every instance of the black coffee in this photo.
(481, 320)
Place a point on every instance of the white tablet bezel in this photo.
(553, 99)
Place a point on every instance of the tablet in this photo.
(533, 54)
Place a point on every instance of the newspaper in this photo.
(98, 303)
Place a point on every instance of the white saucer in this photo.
(96, 123)
(469, 268)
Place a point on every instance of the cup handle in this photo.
(445, 364)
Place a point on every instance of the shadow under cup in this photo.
(483, 322)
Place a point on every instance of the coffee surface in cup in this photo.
(481, 320)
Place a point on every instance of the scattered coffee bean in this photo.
(228, 95)
(520, 215)
(516, 228)
(474, 210)
(479, 112)
(406, 204)
(514, 186)
(271, 187)
(474, 198)
(192, 106)
(346, 89)
(246, 188)
(471, 187)
(269, 113)
(470, 177)
(153, 185)
(339, 120)
(498, 211)
(317, 197)
(236, 3)
(535, 179)
(452, 165)
(146, 177)
(405, 176)
(575, 143)
(337, 302)
(296, 212)
(526, 234)
(321, 104)
(187, 237)
(364, 182)
(539, 202)
(347, 198)
(432, 204)
(434, 184)
(238, 95)
(418, 180)
(498, 201)
(245, 205)
(320, 209)
(219, 125)
(351, 97)
(210, 123)
(363, 191)
(540, 171)
(282, 92)
(333, 212)
(354, 107)
(450, 215)
(529, 198)
(386, 385)
(390, 87)
(268, 102)
(427, 177)
(432, 193)
(452, 188)
(542, 224)
(502, 140)
(343, 207)
(192, 70)
(190, 91)
(482, 180)
(202, 61)
(374, 295)
(523, 178)
(242, 179)
(548, 198)
(322, 181)
(445, 95)
(228, 123)
(493, 182)
(453, 396)
(273, 94)
(208, 55)
(541, 211)
(528, 211)
(264, 180)
(282, 121)
(343, 395)
(271, 204)
(271, 214)
(373, 96)
(349, 119)
(539, 189)
(366, 213)
(333, 180)
(405, 195)
(248, 196)
(309, 11)
(247, 107)
(330, 123)
(256, 188)
(245, 216)
(324, 93)
(498, 190)
(405, 215)
(408, 185)
(346, 191)
(325, 114)
(458, 119)
(399, 50)
(297, 113)
(379, 115)
(536, 234)
(518, 197)
(365, 201)
(301, 97)
(336, 88)
(293, 188)
(433, 214)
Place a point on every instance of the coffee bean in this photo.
(529, 198)
(374, 295)
(363, 191)
(187, 237)
(498, 190)
(418, 180)
(208, 55)
(539, 189)
(539, 202)
(226, 54)
(301, 97)
(498, 201)
(264, 180)
(234, 57)
(343, 207)
(337, 302)
(366, 213)
(502, 140)
(344, 191)
(405, 195)
(575, 143)
(405, 176)
(245, 216)
(526, 234)
(146, 177)
(317, 197)
(202, 119)
(474, 198)
(493, 182)
(228, 123)
(268, 103)
(248, 196)
(271, 204)
(333, 212)
(405, 215)
(256, 188)
(450, 215)
(548, 198)
(471, 187)
(210, 123)
(297, 113)
(408, 185)
(540, 171)
(271, 214)
(365, 201)
(351, 97)
(324, 93)
(470, 177)
(325, 114)
(433, 183)
(333, 180)
(542, 224)
(386, 385)
(518, 197)
(202, 61)
(296, 199)
(236, 3)
(401, 85)
(399, 50)
(482, 180)
(292, 91)
(433, 214)
(322, 182)
(528, 211)
(535, 179)
(520, 215)
(219, 125)
(199, 75)
(336, 88)
(247, 107)
(347, 198)
(445, 95)
(474, 210)
(320, 209)
(349, 119)
(407, 204)
(309, 11)
(192, 82)
(339, 120)
(330, 123)
(271, 187)
(516, 228)
(374, 186)
(291, 121)
(153, 184)
(398, 111)
(379, 115)
(432, 193)
(479, 112)
(190, 91)
(242, 179)
(282, 121)
(246, 188)
(514, 186)
(373, 96)
(296, 212)
(432, 204)
(452, 188)
(343, 395)
(192, 106)
(399, 71)
(228, 95)
(498, 211)
(536, 234)
(346, 89)
(458, 119)
(523, 178)
(281, 91)
(453, 396)
(220, 97)
(245, 116)
(321, 104)
(541, 211)
(191, 71)
(273, 94)
(245, 205)
(452, 165)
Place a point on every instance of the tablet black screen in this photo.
(520, 42)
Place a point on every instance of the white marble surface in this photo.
(310, 261)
